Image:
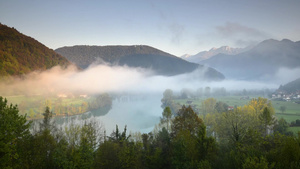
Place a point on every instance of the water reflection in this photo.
(138, 114)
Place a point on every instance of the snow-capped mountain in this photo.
(212, 52)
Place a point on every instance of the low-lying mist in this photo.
(117, 79)
(97, 79)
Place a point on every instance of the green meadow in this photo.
(292, 112)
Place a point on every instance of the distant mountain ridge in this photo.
(160, 62)
(21, 54)
(261, 62)
(212, 52)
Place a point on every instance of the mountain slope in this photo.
(291, 87)
(212, 52)
(20, 54)
(260, 63)
(133, 56)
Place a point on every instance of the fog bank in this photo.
(117, 79)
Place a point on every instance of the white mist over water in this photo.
(139, 114)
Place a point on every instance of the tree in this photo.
(13, 129)
(255, 109)
(221, 107)
(163, 143)
(167, 98)
(233, 125)
(107, 155)
(47, 123)
(166, 117)
(281, 126)
(44, 143)
(207, 91)
(190, 145)
(255, 163)
(186, 119)
(266, 120)
(168, 101)
(282, 109)
(208, 106)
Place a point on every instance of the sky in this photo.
(175, 26)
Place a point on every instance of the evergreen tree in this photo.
(14, 129)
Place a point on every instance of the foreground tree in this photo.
(266, 120)
(191, 148)
(44, 143)
(13, 131)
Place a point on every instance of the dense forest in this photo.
(21, 54)
(246, 137)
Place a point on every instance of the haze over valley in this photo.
(149, 84)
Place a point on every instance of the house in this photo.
(62, 95)
(230, 108)
(245, 98)
(189, 102)
(83, 96)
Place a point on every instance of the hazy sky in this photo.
(175, 26)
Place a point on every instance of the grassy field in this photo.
(35, 105)
(230, 100)
(288, 117)
(292, 112)
(295, 130)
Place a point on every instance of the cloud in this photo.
(286, 75)
(99, 79)
(177, 31)
(233, 29)
(141, 113)
(241, 35)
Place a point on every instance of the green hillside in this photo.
(21, 54)
(291, 87)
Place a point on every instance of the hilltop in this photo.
(291, 87)
(160, 62)
(21, 54)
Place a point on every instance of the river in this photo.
(138, 113)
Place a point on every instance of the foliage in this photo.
(282, 109)
(20, 54)
(166, 117)
(208, 106)
(13, 130)
(281, 126)
(168, 101)
(34, 105)
(237, 143)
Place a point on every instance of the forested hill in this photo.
(21, 54)
(291, 87)
(160, 62)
